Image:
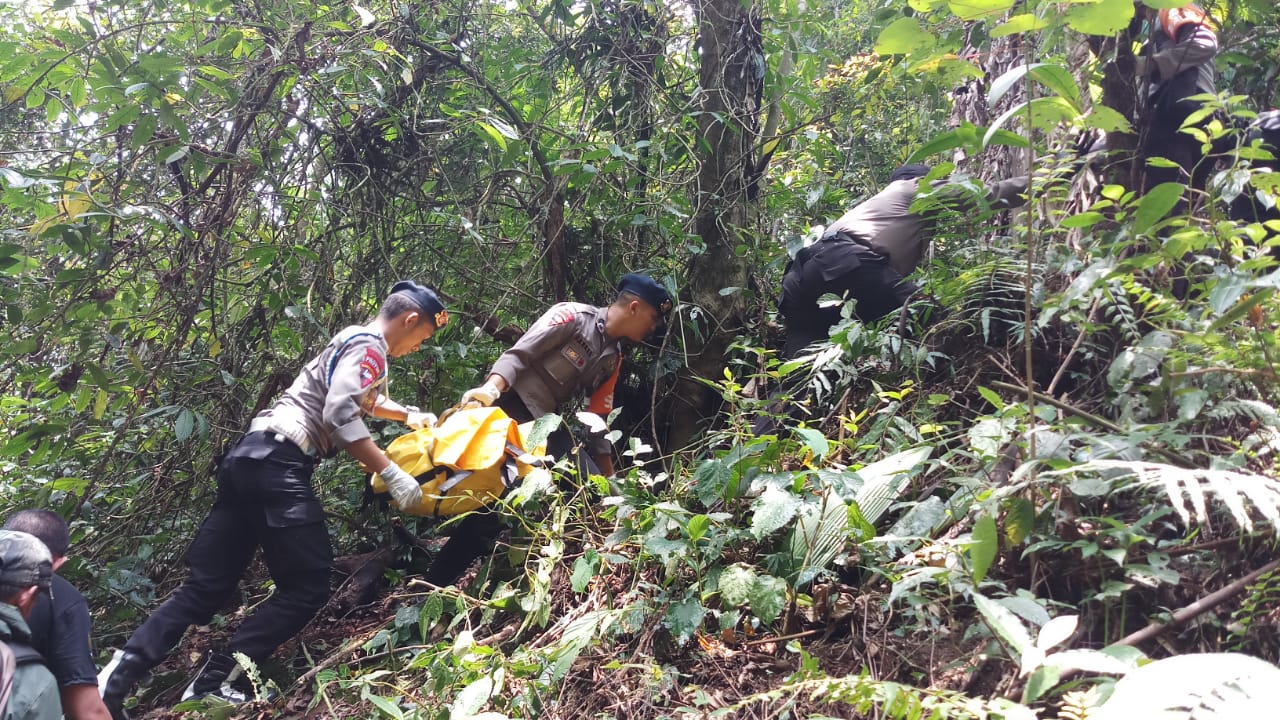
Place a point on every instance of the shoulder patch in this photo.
(372, 367)
(562, 316)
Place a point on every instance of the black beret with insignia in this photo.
(647, 289)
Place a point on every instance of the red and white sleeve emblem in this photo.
(372, 367)
(563, 316)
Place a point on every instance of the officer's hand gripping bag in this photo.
(465, 463)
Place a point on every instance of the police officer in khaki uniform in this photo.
(265, 499)
(572, 349)
(868, 252)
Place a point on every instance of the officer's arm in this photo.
(1009, 193)
(552, 330)
(388, 409)
(358, 370)
(82, 702)
(370, 456)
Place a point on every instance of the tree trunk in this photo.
(728, 103)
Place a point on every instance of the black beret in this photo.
(647, 289)
(909, 172)
(425, 298)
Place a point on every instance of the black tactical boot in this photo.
(218, 669)
(123, 673)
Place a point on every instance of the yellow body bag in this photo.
(467, 462)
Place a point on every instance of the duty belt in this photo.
(846, 236)
(284, 430)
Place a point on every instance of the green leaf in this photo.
(768, 597)
(1060, 80)
(815, 441)
(185, 424)
(1106, 17)
(697, 527)
(683, 619)
(1108, 119)
(986, 543)
(489, 132)
(1156, 204)
(386, 707)
(1083, 220)
(711, 479)
(1005, 624)
(472, 698)
(1026, 22)
(584, 568)
(1019, 520)
(990, 396)
(774, 509)
(904, 36)
(736, 583)
(975, 9)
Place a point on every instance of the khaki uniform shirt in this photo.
(334, 391)
(565, 353)
(886, 224)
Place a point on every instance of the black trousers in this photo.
(264, 500)
(845, 269)
(474, 535)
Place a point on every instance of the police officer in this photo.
(1177, 63)
(572, 349)
(866, 254)
(265, 499)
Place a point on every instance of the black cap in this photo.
(425, 298)
(909, 172)
(647, 289)
(24, 561)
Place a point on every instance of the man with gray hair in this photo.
(28, 690)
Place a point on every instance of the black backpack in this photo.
(12, 656)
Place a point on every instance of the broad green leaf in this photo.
(1060, 80)
(1156, 205)
(711, 479)
(975, 9)
(472, 698)
(697, 527)
(1044, 679)
(1056, 631)
(736, 583)
(100, 404)
(583, 571)
(1026, 22)
(902, 36)
(1106, 17)
(488, 131)
(1108, 119)
(774, 509)
(815, 441)
(1019, 520)
(885, 480)
(768, 597)
(684, 618)
(985, 546)
(185, 424)
(386, 707)
(1005, 624)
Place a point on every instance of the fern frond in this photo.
(1079, 704)
(1190, 487)
(1250, 409)
(868, 697)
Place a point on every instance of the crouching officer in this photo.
(265, 499)
(572, 349)
(867, 254)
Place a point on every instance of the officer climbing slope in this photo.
(265, 499)
(572, 349)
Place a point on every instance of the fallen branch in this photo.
(1199, 607)
(342, 652)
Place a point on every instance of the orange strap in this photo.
(1174, 19)
(601, 402)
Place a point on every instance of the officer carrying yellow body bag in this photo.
(469, 460)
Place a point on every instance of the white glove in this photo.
(483, 396)
(404, 488)
(418, 420)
